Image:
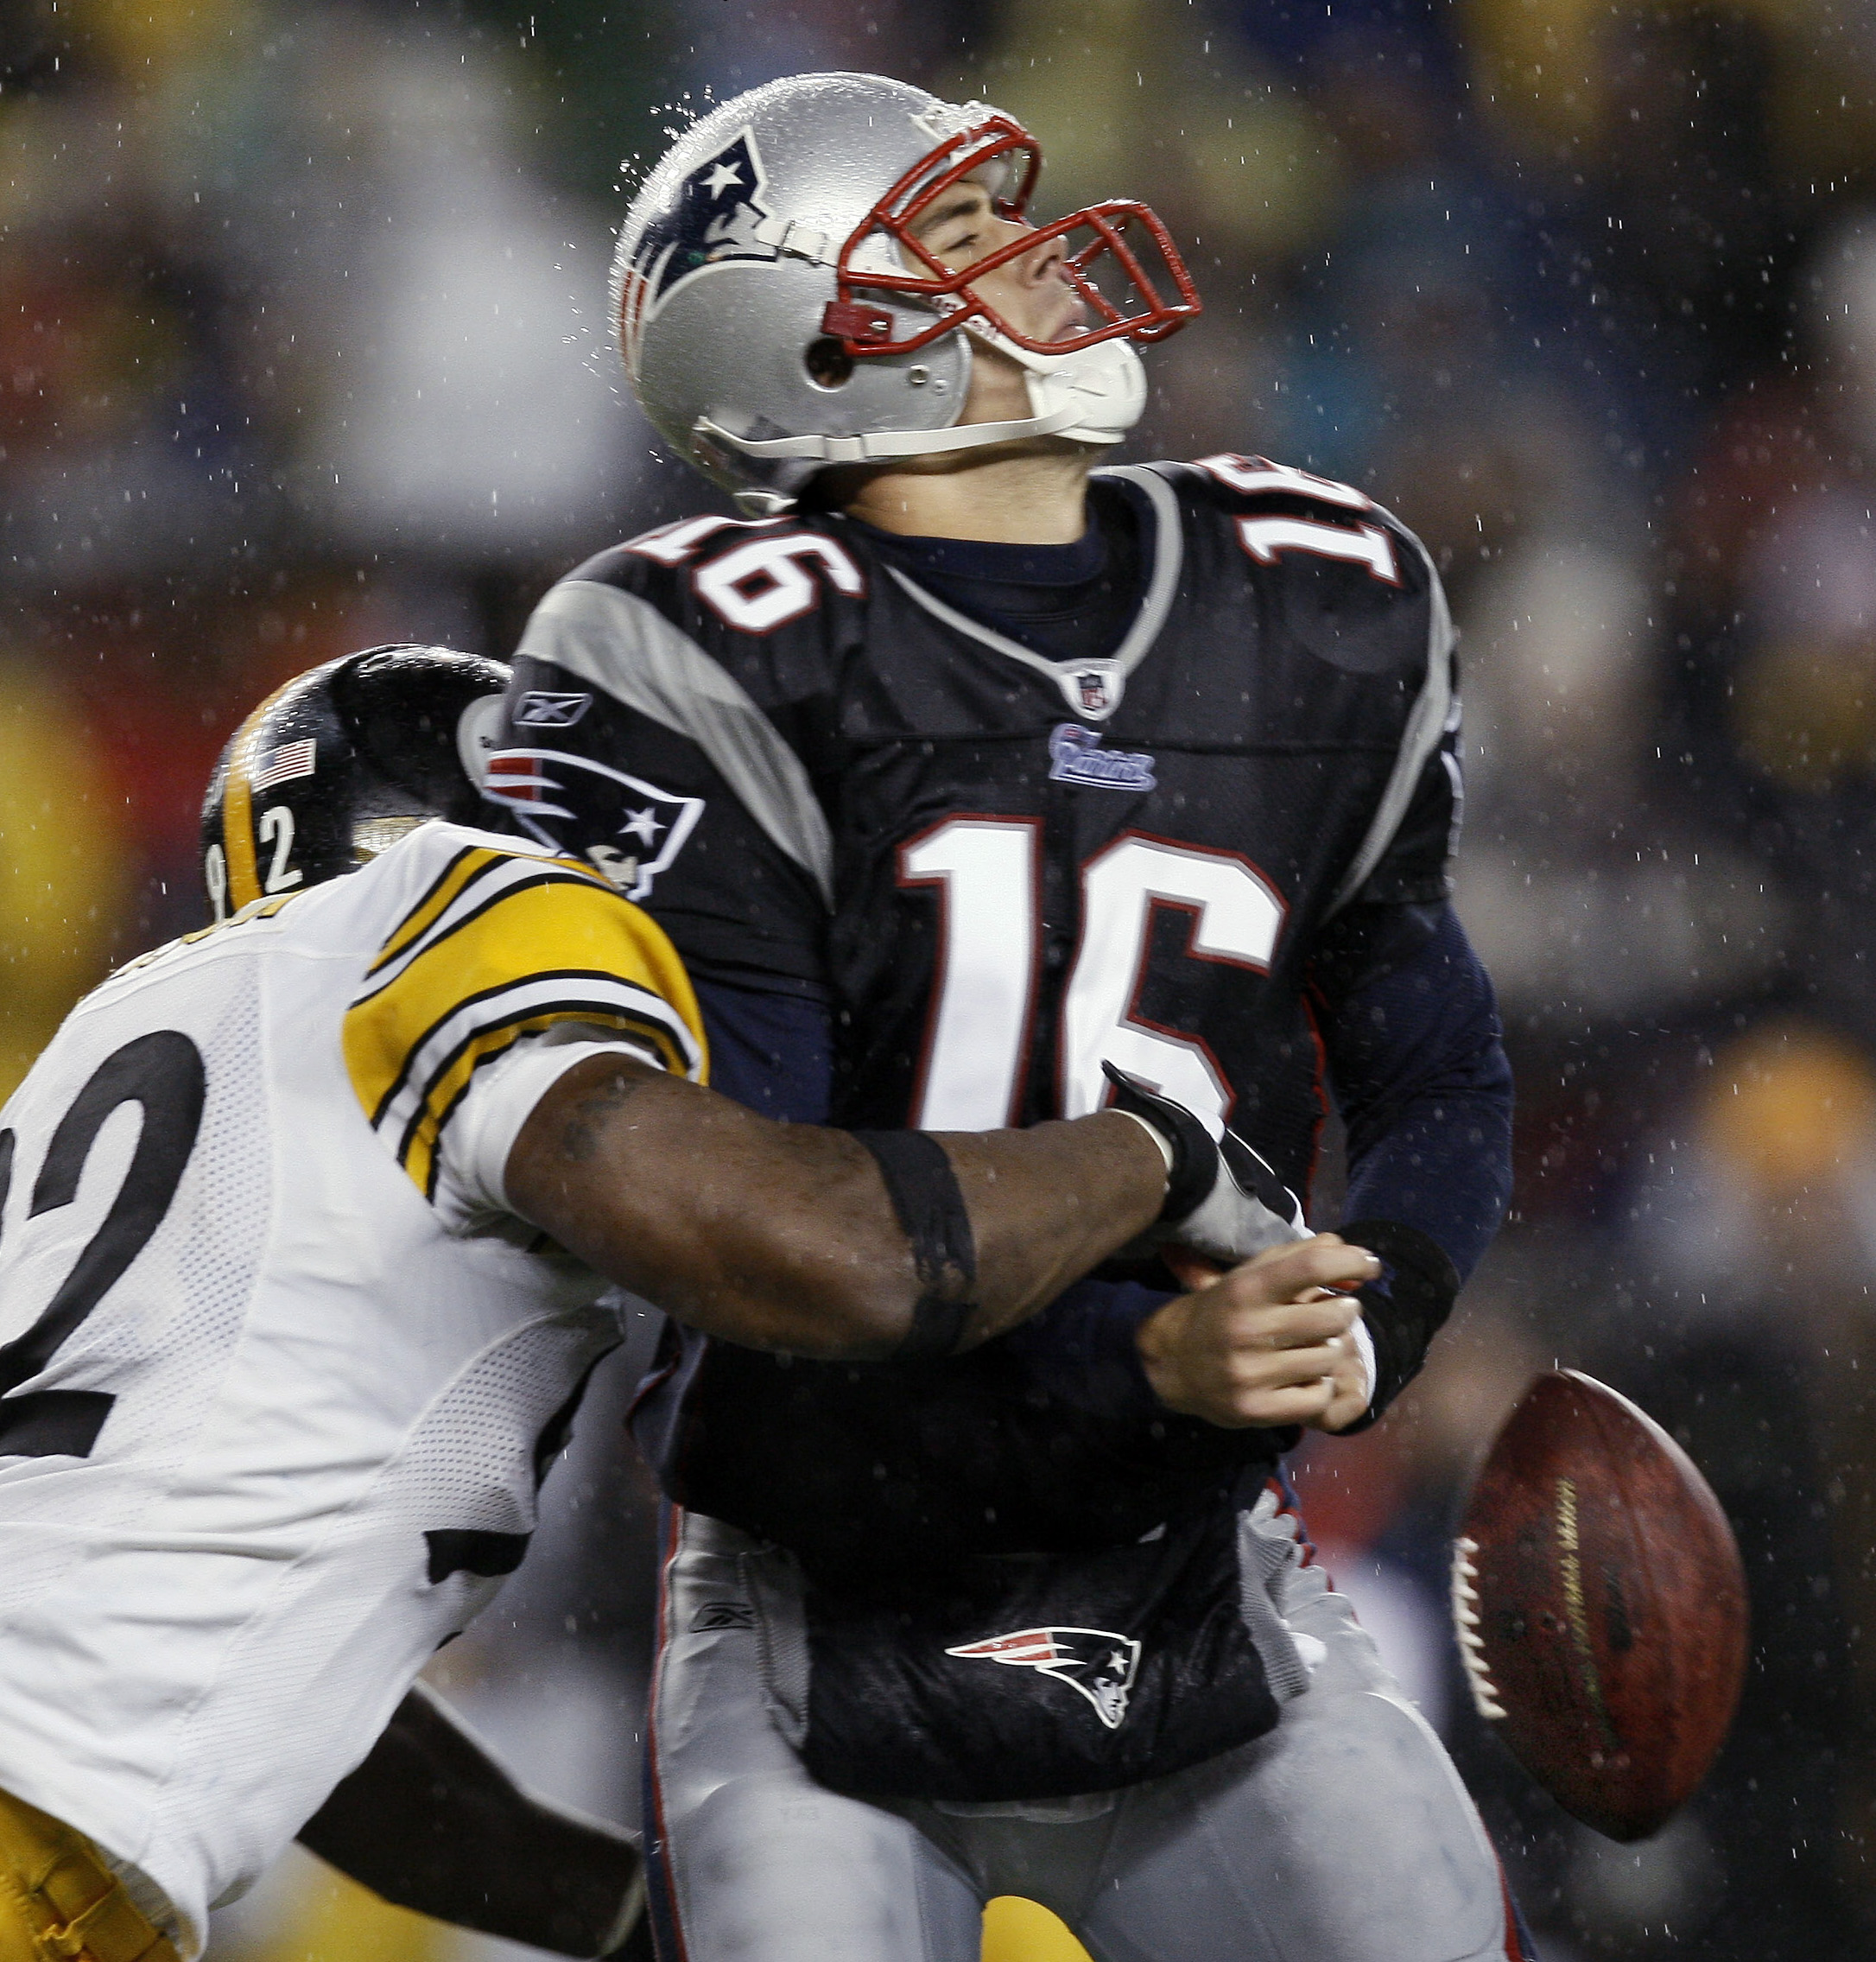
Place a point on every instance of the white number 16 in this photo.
(987, 870)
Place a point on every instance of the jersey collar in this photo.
(1092, 688)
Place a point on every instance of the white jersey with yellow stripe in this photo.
(278, 1373)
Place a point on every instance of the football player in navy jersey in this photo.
(977, 784)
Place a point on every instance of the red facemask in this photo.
(1136, 311)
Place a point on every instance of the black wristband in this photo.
(1194, 1170)
(931, 1210)
(1405, 1308)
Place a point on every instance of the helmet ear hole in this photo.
(828, 363)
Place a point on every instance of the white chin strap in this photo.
(1090, 394)
(1104, 386)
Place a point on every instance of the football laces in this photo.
(1484, 1695)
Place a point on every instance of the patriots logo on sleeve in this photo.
(633, 830)
(1094, 1662)
(711, 217)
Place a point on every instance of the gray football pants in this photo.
(1344, 1835)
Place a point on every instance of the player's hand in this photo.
(1267, 1344)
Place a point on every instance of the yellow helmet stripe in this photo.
(238, 804)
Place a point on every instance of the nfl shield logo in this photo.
(1091, 688)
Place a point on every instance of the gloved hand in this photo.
(1223, 1201)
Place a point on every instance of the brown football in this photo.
(1601, 1605)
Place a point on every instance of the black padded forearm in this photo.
(1405, 1308)
(930, 1210)
(1194, 1170)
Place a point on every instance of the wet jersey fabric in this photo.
(1151, 1638)
(277, 1381)
(994, 867)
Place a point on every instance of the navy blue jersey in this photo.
(996, 866)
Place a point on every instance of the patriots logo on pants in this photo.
(1096, 1662)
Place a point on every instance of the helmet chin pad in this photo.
(1091, 393)
(1092, 396)
(1103, 381)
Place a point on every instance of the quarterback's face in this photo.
(1031, 292)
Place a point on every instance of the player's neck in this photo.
(1029, 494)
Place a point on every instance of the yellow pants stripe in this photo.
(59, 1903)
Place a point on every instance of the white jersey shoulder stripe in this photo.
(1435, 713)
(515, 1009)
(500, 947)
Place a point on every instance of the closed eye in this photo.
(956, 228)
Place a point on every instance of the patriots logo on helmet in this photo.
(1094, 1662)
(711, 217)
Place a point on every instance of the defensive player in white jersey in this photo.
(307, 1227)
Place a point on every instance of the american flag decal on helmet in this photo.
(1096, 1662)
(282, 765)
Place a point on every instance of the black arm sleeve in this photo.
(1419, 1072)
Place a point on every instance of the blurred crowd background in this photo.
(303, 346)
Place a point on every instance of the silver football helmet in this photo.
(777, 312)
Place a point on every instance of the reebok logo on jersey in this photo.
(537, 709)
(1094, 1662)
(1076, 757)
(715, 1615)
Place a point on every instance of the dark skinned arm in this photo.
(783, 1236)
(430, 1821)
(775, 1235)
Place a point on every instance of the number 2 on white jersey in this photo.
(163, 1073)
(971, 1077)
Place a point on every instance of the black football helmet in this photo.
(340, 762)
